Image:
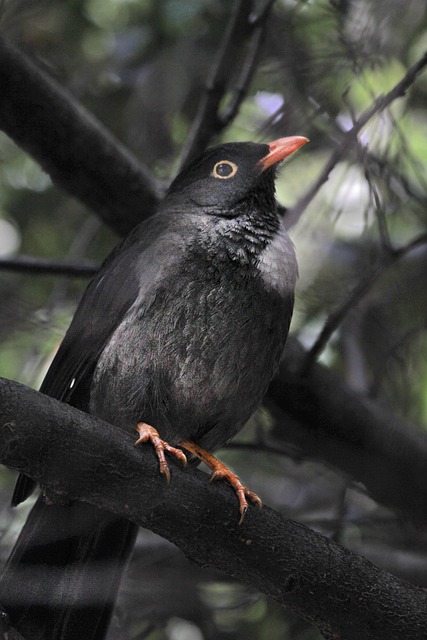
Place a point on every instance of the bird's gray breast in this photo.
(278, 264)
(195, 353)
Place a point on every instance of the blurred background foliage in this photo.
(141, 67)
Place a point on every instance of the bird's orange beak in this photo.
(281, 149)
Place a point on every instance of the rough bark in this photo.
(343, 594)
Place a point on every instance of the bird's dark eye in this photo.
(224, 170)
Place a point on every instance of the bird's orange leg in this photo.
(147, 433)
(220, 471)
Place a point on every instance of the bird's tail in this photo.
(62, 577)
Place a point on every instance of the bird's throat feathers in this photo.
(242, 237)
(245, 237)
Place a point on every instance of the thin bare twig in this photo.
(209, 121)
(391, 256)
(337, 316)
(379, 105)
(245, 77)
(395, 179)
(206, 122)
(386, 244)
(410, 246)
(258, 23)
(43, 266)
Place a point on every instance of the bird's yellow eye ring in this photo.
(224, 170)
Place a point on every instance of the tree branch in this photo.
(78, 153)
(206, 122)
(388, 259)
(379, 105)
(209, 121)
(258, 23)
(341, 593)
(327, 420)
(45, 266)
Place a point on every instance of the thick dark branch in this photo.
(78, 153)
(343, 594)
(350, 137)
(327, 420)
(45, 266)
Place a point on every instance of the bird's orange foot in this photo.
(147, 433)
(220, 471)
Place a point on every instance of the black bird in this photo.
(178, 336)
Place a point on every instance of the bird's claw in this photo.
(220, 471)
(243, 493)
(147, 433)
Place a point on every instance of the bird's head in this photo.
(224, 176)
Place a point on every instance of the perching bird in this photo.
(177, 336)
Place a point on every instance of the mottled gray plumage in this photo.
(203, 332)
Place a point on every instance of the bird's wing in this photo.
(131, 271)
(102, 307)
(104, 303)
